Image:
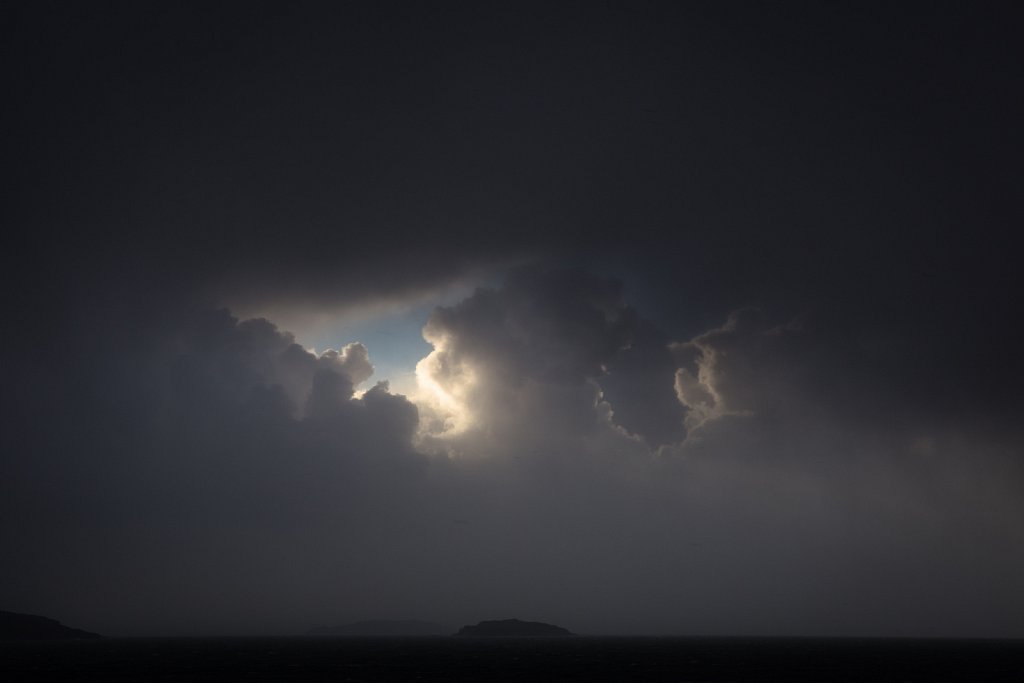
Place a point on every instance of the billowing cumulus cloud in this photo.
(539, 352)
(528, 353)
(742, 368)
(237, 358)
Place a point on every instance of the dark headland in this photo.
(513, 627)
(14, 626)
(385, 628)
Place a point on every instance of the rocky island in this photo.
(513, 628)
(14, 626)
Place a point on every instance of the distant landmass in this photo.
(14, 626)
(513, 627)
(383, 628)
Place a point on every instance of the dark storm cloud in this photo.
(225, 440)
(791, 410)
(321, 157)
(228, 480)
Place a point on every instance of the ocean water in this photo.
(513, 659)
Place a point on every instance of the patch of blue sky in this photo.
(394, 340)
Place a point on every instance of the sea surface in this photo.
(512, 659)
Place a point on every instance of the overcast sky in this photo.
(643, 318)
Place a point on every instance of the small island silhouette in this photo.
(14, 626)
(513, 628)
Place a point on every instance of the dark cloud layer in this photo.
(760, 374)
(223, 479)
